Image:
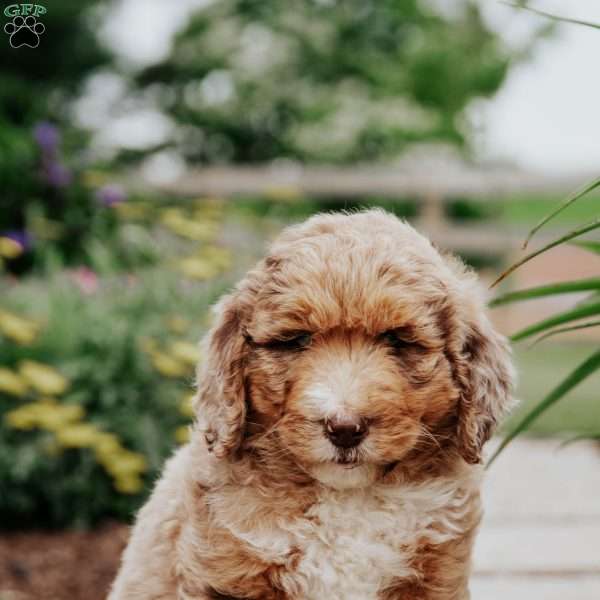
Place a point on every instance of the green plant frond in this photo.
(588, 245)
(567, 287)
(580, 438)
(554, 17)
(586, 189)
(595, 224)
(549, 334)
(584, 370)
(581, 312)
(589, 299)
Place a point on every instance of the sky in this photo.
(545, 118)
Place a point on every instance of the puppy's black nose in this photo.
(345, 432)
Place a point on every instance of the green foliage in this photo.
(567, 287)
(579, 374)
(542, 369)
(112, 348)
(96, 372)
(552, 326)
(555, 325)
(37, 87)
(324, 81)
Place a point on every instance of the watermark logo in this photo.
(24, 29)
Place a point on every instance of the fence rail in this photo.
(438, 181)
(432, 187)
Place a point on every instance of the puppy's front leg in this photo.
(442, 573)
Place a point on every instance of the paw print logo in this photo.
(24, 31)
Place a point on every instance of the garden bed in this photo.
(64, 565)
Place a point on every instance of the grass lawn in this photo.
(540, 370)
(527, 210)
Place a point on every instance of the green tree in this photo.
(323, 80)
(37, 88)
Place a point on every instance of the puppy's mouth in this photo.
(349, 459)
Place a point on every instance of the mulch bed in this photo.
(65, 565)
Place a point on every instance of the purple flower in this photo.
(56, 174)
(22, 237)
(47, 136)
(110, 195)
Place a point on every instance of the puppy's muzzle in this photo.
(345, 432)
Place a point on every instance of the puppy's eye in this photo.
(295, 342)
(398, 340)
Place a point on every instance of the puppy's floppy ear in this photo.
(221, 403)
(487, 382)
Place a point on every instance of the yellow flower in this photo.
(148, 345)
(21, 418)
(43, 378)
(186, 405)
(209, 203)
(68, 414)
(9, 248)
(169, 366)
(177, 324)
(11, 383)
(125, 463)
(284, 193)
(182, 434)
(185, 352)
(221, 257)
(93, 178)
(130, 484)
(54, 417)
(106, 445)
(198, 268)
(181, 224)
(46, 414)
(17, 328)
(132, 210)
(81, 435)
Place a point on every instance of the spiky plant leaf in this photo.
(553, 16)
(584, 370)
(580, 438)
(559, 330)
(566, 287)
(580, 312)
(595, 224)
(589, 245)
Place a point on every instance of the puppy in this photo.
(351, 381)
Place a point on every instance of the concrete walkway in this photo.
(540, 538)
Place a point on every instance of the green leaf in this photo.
(580, 438)
(554, 17)
(584, 370)
(588, 245)
(588, 187)
(595, 224)
(589, 299)
(588, 325)
(580, 312)
(565, 287)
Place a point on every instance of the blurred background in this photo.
(148, 153)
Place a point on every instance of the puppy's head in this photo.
(353, 346)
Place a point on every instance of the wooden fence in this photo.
(431, 187)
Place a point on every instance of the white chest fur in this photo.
(353, 543)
